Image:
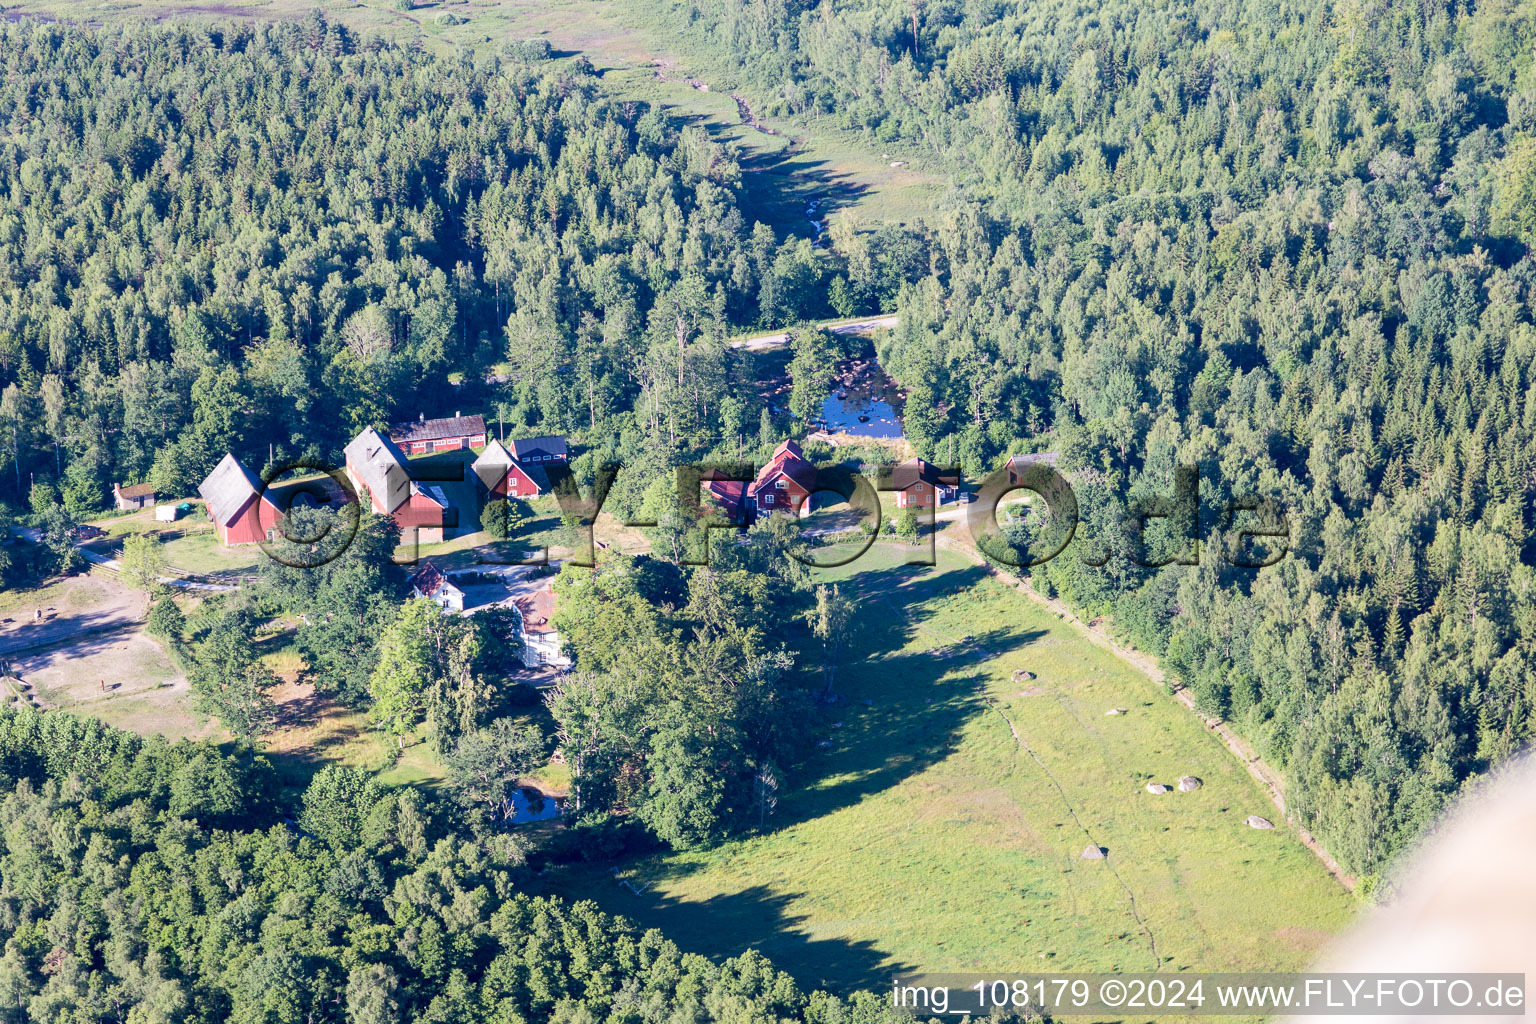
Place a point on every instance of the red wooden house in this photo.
(503, 476)
(785, 484)
(241, 509)
(920, 484)
(448, 434)
(378, 468)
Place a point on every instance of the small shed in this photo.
(133, 496)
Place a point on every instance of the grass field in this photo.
(927, 837)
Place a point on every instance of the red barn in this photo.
(378, 469)
(503, 476)
(241, 509)
(920, 484)
(449, 434)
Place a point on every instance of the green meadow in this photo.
(925, 835)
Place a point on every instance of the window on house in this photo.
(768, 499)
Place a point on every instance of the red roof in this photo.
(789, 459)
(536, 609)
(429, 579)
(730, 493)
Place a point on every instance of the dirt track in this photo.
(81, 606)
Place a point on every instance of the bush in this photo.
(166, 621)
(529, 50)
(503, 517)
(493, 518)
(600, 836)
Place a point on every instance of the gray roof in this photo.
(381, 466)
(432, 491)
(228, 488)
(548, 444)
(1049, 458)
(432, 430)
(491, 465)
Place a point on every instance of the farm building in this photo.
(502, 476)
(448, 434)
(238, 503)
(1018, 464)
(785, 484)
(921, 484)
(433, 584)
(530, 451)
(378, 468)
(133, 496)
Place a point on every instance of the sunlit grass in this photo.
(925, 836)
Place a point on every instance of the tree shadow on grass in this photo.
(921, 689)
(757, 918)
(899, 710)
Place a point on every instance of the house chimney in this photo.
(422, 417)
(457, 414)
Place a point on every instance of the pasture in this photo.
(940, 824)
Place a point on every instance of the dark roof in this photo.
(729, 493)
(919, 471)
(432, 430)
(549, 444)
(382, 467)
(429, 579)
(790, 459)
(136, 490)
(432, 491)
(228, 488)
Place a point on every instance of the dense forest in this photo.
(1285, 242)
(262, 238)
(158, 884)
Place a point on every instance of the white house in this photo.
(430, 582)
(541, 643)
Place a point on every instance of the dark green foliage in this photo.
(675, 707)
(1289, 246)
(399, 217)
(502, 518)
(484, 765)
(345, 600)
(228, 679)
(179, 915)
(336, 803)
(166, 622)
